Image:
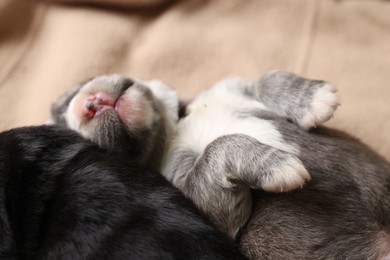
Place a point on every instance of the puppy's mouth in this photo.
(96, 104)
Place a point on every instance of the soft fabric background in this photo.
(46, 47)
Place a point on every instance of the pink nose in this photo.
(93, 104)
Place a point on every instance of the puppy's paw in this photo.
(288, 175)
(322, 107)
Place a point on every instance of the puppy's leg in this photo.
(220, 179)
(306, 102)
(245, 160)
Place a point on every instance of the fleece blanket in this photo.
(48, 46)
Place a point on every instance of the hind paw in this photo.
(288, 175)
(322, 107)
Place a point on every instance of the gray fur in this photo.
(220, 186)
(276, 87)
(288, 94)
(342, 213)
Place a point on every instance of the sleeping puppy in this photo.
(243, 134)
(122, 114)
(224, 147)
(112, 110)
(63, 197)
(243, 144)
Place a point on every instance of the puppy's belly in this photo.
(205, 125)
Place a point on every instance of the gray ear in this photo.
(59, 107)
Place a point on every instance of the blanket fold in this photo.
(47, 46)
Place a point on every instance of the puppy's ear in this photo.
(60, 106)
(167, 96)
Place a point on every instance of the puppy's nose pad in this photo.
(89, 108)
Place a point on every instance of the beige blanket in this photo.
(46, 47)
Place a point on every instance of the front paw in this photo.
(322, 107)
(286, 175)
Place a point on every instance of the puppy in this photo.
(243, 134)
(224, 146)
(63, 197)
(115, 111)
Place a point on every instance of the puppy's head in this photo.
(115, 111)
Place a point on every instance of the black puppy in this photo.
(62, 197)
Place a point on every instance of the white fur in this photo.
(137, 110)
(167, 96)
(71, 115)
(213, 115)
(322, 107)
(290, 176)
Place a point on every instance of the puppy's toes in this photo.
(322, 107)
(289, 175)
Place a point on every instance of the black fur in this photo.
(62, 197)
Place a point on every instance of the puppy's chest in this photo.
(210, 120)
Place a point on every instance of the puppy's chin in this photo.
(103, 129)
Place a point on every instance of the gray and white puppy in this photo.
(140, 117)
(120, 113)
(341, 213)
(224, 147)
(243, 134)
